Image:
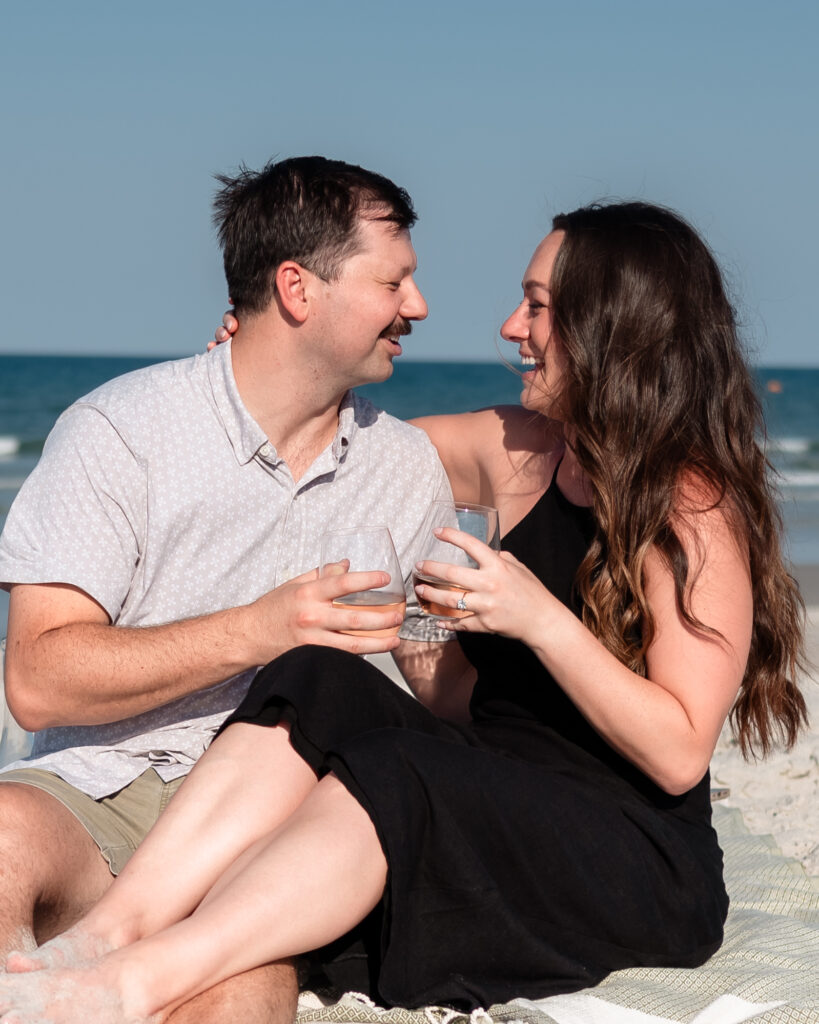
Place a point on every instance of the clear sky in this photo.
(494, 115)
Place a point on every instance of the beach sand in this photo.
(780, 796)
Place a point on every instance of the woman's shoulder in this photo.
(496, 428)
(495, 450)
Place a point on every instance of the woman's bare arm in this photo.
(667, 722)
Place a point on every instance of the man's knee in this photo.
(46, 856)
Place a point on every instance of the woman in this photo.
(564, 832)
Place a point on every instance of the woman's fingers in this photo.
(460, 575)
(476, 549)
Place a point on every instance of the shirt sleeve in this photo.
(80, 517)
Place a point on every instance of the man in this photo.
(165, 545)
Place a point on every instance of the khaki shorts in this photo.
(117, 823)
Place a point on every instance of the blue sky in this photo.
(494, 116)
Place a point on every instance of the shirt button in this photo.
(265, 450)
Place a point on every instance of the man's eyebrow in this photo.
(407, 270)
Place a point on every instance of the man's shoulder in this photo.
(387, 427)
(158, 383)
(144, 405)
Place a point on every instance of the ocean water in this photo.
(35, 389)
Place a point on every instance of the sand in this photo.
(780, 796)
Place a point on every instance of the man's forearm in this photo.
(66, 665)
(88, 673)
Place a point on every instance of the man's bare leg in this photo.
(51, 874)
(320, 873)
(266, 995)
(51, 871)
(217, 813)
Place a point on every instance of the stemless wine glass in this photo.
(367, 549)
(479, 521)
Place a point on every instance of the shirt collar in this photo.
(346, 425)
(244, 433)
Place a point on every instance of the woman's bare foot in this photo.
(21, 943)
(73, 996)
(74, 947)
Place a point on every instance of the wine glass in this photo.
(479, 521)
(367, 549)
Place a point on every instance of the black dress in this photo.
(526, 857)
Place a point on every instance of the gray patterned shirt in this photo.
(160, 497)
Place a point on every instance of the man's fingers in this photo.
(336, 568)
(364, 644)
(339, 585)
(306, 577)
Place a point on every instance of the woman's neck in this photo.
(571, 480)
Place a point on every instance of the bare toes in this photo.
(23, 963)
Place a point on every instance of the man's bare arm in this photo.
(67, 665)
(439, 675)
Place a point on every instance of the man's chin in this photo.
(386, 373)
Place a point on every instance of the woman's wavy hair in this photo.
(658, 392)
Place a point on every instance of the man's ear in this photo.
(291, 288)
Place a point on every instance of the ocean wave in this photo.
(793, 445)
(9, 445)
(800, 478)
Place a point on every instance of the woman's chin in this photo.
(534, 400)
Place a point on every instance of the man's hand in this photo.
(302, 612)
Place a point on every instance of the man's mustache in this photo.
(397, 328)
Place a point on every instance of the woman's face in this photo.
(530, 328)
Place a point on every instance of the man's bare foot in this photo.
(73, 996)
(74, 947)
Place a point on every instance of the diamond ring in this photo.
(461, 605)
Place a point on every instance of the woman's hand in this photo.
(667, 721)
(501, 595)
(230, 325)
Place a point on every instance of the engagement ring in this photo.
(461, 605)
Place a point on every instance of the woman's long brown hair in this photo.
(658, 392)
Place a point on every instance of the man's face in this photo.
(362, 315)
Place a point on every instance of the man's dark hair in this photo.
(305, 209)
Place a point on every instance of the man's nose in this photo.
(414, 306)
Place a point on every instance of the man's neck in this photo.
(298, 415)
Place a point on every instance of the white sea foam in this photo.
(791, 445)
(9, 445)
(800, 478)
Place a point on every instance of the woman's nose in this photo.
(514, 327)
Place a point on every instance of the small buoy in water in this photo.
(775, 387)
(9, 445)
